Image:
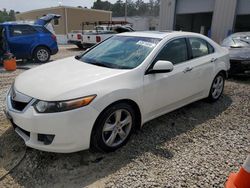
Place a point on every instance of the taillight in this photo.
(79, 36)
(98, 39)
(53, 37)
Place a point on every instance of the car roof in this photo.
(19, 23)
(157, 34)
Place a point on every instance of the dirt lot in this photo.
(195, 146)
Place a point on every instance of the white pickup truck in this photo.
(101, 33)
(87, 38)
(75, 37)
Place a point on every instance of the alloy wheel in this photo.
(42, 55)
(217, 86)
(117, 128)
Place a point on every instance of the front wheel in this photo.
(113, 127)
(217, 88)
(41, 54)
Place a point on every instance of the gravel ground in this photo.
(195, 146)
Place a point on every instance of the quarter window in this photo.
(175, 52)
(22, 30)
(200, 47)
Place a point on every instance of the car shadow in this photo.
(245, 79)
(85, 168)
(76, 49)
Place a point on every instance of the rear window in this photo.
(19, 30)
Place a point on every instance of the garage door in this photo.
(194, 6)
(243, 7)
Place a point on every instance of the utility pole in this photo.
(126, 9)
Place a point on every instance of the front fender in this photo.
(100, 103)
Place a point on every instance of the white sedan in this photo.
(99, 98)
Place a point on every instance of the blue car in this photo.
(29, 41)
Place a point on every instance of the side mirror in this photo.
(161, 67)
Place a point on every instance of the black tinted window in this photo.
(175, 52)
(199, 47)
(21, 30)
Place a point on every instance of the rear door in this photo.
(21, 40)
(202, 60)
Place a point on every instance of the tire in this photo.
(41, 54)
(217, 88)
(109, 133)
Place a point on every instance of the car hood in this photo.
(239, 53)
(64, 79)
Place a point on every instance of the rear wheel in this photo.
(217, 88)
(41, 54)
(113, 127)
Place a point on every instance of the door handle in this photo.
(213, 60)
(188, 69)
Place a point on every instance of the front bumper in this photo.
(239, 67)
(70, 131)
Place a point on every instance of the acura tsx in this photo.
(97, 99)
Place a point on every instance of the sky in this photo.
(25, 5)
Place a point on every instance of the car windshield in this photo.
(237, 41)
(120, 52)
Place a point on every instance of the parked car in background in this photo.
(91, 38)
(239, 51)
(84, 39)
(27, 40)
(99, 98)
(75, 37)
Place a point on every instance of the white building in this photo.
(215, 18)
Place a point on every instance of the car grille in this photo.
(18, 105)
(18, 101)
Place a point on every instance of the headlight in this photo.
(60, 106)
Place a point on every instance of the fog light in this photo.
(47, 139)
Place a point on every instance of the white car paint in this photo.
(155, 94)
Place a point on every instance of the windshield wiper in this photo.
(100, 64)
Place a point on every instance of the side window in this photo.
(175, 52)
(199, 47)
(19, 30)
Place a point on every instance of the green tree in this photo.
(102, 5)
(134, 7)
(131, 8)
(118, 8)
(7, 16)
